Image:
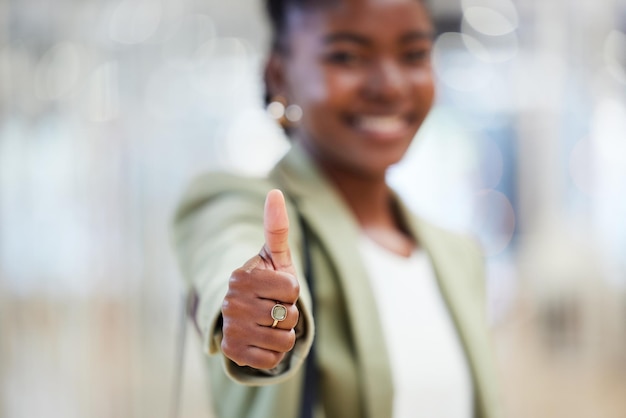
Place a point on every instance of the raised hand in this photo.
(259, 311)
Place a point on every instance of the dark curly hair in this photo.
(277, 11)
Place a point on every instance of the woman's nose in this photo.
(386, 80)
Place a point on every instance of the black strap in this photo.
(309, 391)
(179, 362)
(188, 311)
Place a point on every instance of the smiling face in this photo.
(360, 70)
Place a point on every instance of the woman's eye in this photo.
(344, 58)
(416, 56)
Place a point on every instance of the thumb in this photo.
(276, 227)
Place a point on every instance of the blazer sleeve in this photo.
(217, 228)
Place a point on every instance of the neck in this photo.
(371, 202)
(370, 199)
(368, 195)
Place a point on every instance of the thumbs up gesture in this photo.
(259, 310)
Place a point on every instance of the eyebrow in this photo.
(346, 37)
(422, 35)
(417, 35)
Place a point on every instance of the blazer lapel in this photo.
(328, 216)
(457, 283)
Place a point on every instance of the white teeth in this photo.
(381, 124)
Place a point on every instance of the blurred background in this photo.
(108, 108)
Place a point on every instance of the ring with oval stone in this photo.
(279, 313)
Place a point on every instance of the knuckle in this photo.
(279, 232)
(263, 359)
(229, 351)
(226, 306)
(296, 287)
(285, 342)
(273, 360)
(248, 359)
(235, 332)
(237, 278)
(291, 340)
(234, 307)
(264, 363)
(292, 289)
(229, 334)
(229, 306)
(295, 315)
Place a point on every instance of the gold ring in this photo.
(279, 313)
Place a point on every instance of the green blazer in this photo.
(219, 226)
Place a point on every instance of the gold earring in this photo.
(284, 114)
(293, 113)
(276, 108)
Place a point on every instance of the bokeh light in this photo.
(101, 98)
(252, 143)
(276, 110)
(608, 130)
(615, 54)
(489, 21)
(461, 67)
(493, 221)
(581, 166)
(135, 21)
(58, 72)
(494, 26)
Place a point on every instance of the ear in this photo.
(274, 75)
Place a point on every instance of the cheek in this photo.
(315, 86)
(334, 93)
(343, 85)
(423, 83)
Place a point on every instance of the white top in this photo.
(430, 372)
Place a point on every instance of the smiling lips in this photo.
(383, 127)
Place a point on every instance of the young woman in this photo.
(393, 307)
